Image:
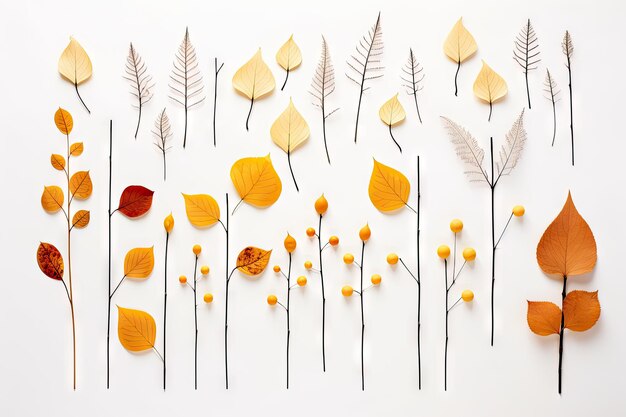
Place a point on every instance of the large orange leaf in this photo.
(80, 185)
(389, 189)
(136, 329)
(567, 247)
(139, 263)
(256, 181)
(52, 198)
(544, 318)
(202, 209)
(50, 261)
(252, 261)
(581, 310)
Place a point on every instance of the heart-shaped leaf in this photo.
(80, 185)
(52, 198)
(136, 329)
(81, 219)
(389, 189)
(139, 263)
(581, 310)
(253, 261)
(544, 318)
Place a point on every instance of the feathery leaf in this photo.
(512, 148)
(322, 86)
(552, 92)
(467, 148)
(526, 52)
(412, 77)
(162, 132)
(568, 51)
(140, 81)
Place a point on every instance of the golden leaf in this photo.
(459, 44)
(57, 161)
(76, 149)
(256, 181)
(74, 63)
(253, 261)
(136, 329)
(254, 79)
(581, 310)
(290, 130)
(289, 56)
(80, 185)
(81, 219)
(202, 209)
(489, 86)
(389, 189)
(544, 318)
(392, 112)
(64, 121)
(567, 247)
(139, 262)
(52, 198)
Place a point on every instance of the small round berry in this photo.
(208, 298)
(276, 269)
(348, 258)
(519, 211)
(301, 281)
(321, 205)
(168, 223)
(376, 279)
(469, 254)
(467, 295)
(272, 300)
(310, 232)
(333, 240)
(290, 243)
(204, 270)
(308, 264)
(347, 291)
(456, 225)
(197, 249)
(392, 259)
(365, 233)
(443, 251)
(182, 279)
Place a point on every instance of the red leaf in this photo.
(135, 201)
(50, 261)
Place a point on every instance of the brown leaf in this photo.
(567, 247)
(135, 201)
(252, 261)
(81, 219)
(581, 310)
(50, 261)
(544, 318)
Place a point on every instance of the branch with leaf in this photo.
(322, 86)
(392, 113)
(459, 46)
(526, 53)
(162, 134)
(288, 132)
(289, 58)
(412, 77)
(254, 80)
(75, 66)
(140, 81)
(136, 331)
(489, 87)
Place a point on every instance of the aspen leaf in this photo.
(52, 198)
(135, 201)
(63, 120)
(289, 56)
(544, 318)
(256, 181)
(290, 130)
(202, 209)
(57, 161)
(80, 185)
(50, 261)
(254, 79)
(489, 86)
(139, 263)
(459, 44)
(253, 261)
(581, 310)
(81, 219)
(389, 189)
(136, 329)
(76, 149)
(74, 63)
(391, 113)
(567, 247)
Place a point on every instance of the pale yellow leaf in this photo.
(202, 209)
(254, 79)
(52, 198)
(290, 130)
(76, 149)
(489, 86)
(80, 185)
(74, 63)
(289, 56)
(57, 161)
(392, 112)
(81, 219)
(256, 181)
(139, 263)
(136, 329)
(389, 189)
(459, 44)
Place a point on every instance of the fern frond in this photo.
(512, 148)
(140, 81)
(567, 46)
(468, 150)
(412, 75)
(550, 88)
(525, 51)
(162, 133)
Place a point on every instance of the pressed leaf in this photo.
(253, 261)
(80, 185)
(391, 113)
(81, 219)
(581, 310)
(57, 161)
(52, 198)
(76, 149)
(567, 247)
(254, 79)
(468, 150)
(139, 262)
(256, 181)
(489, 86)
(135, 201)
(290, 130)
(74, 63)
(50, 261)
(202, 209)
(63, 120)
(459, 44)
(544, 318)
(136, 329)
(389, 189)
(289, 56)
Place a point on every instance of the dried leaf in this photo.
(81, 219)
(254, 80)
(468, 150)
(512, 147)
(253, 261)
(75, 65)
(76, 149)
(544, 318)
(391, 113)
(139, 263)
(135, 201)
(50, 261)
(57, 161)
(52, 198)
(290, 130)
(64, 121)
(136, 329)
(256, 181)
(459, 44)
(581, 310)
(526, 52)
(140, 81)
(389, 189)
(489, 86)
(162, 132)
(567, 247)
(289, 57)
(80, 185)
(202, 209)
(412, 77)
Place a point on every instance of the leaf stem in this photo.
(362, 319)
(394, 139)
(226, 230)
(493, 239)
(249, 113)
(563, 294)
(291, 169)
(319, 243)
(287, 309)
(167, 239)
(217, 71)
(419, 283)
(286, 78)
(445, 361)
(571, 106)
(456, 89)
(81, 99)
(195, 316)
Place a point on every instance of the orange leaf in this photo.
(52, 198)
(139, 263)
(252, 261)
(136, 329)
(50, 261)
(567, 247)
(544, 318)
(581, 310)
(389, 189)
(57, 161)
(80, 185)
(81, 219)
(202, 209)
(63, 120)
(76, 149)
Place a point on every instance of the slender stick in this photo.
(526, 75)
(249, 113)
(186, 95)
(288, 299)
(490, 110)
(553, 120)
(110, 215)
(226, 229)
(362, 319)
(69, 252)
(394, 139)
(167, 239)
(285, 83)
(458, 67)
(419, 116)
(291, 169)
(419, 283)
(319, 243)
(81, 99)
(138, 118)
(195, 316)
(563, 294)
(493, 240)
(358, 110)
(324, 132)
(571, 106)
(445, 360)
(217, 71)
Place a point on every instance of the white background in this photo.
(516, 377)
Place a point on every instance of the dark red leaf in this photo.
(50, 261)
(135, 201)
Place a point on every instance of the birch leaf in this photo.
(76, 149)
(136, 329)
(289, 57)
(75, 65)
(290, 130)
(202, 209)
(460, 44)
(57, 161)
(80, 185)
(52, 198)
(254, 80)
(389, 189)
(581, 310)
(64, 121)
(50, 261)
(256, 181)
(253, 261)
(139, 263)
(544, 318)
(391, 113)
(489, 86)
(81, 219)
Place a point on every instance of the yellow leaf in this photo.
(136, 329)
(289, 56)
(581, 310)
(459, 44)
(290, 130)
(389, 189)
(52, 199)
(76, 149)
(57, 161)
(392, 112)
(81, 219)
(80, 185)
(489, 86)
(202, 209)
(64, 121)
(139, 262)
(544, 318)
(256, 181)
(253, 261)
(74, 63)
(254, 79)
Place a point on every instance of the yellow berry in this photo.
(308, 264)
(301, 281)
(456, 225)
(376, 279)
(321, 205)
(519, 211)
(365, 233)
(443, 251)
(197, 249)
(168, 223)
(467, 295)
(392, 259)
(208, 298)
(276, 268)
(347, 291)
(310, 232)
(182, 279)
(348, 258)
(469, 254)
(272, 300)
(204, 270)
(290, 243)
(333, 240)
